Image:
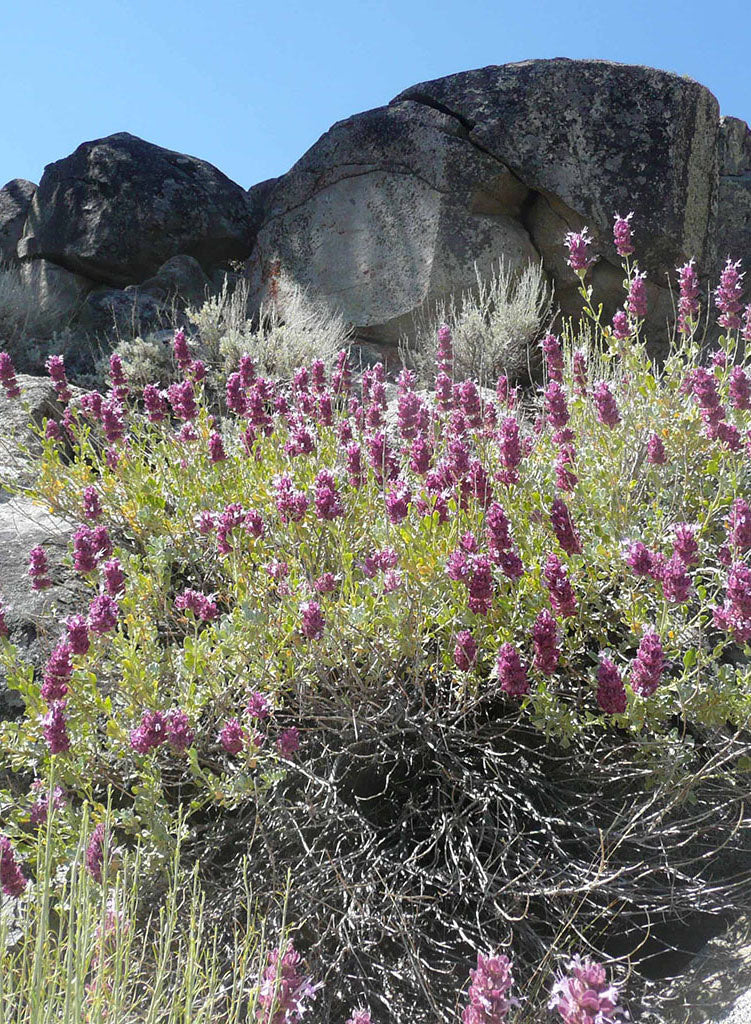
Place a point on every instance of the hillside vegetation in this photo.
(383, 680)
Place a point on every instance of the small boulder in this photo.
(129, 313)
(180, 280)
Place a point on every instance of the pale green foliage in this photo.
(223, 318)
(285, 335)
(494, 326)
(146, 360)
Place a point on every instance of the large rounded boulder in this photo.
(603, 138)
(393, 208)
(390, 209)
(118, 208)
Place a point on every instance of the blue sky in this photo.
(250, 86)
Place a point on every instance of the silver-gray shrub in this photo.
(494, 325)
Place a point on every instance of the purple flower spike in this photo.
(611, 693)
(578, 244)
(11, 878)
(488, 998)
(637, 296)
(622, 234)
(728, 295)
(584, 996)
(8, 376)
(512, 673)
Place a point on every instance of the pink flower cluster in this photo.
(565, 477)
(40, 809)
(584, 995)
(553, 355)
(564, 529)
(360, 1016)
(201, 605)
(622, 234)
(55, 728)
(233, 734)
(577, 243)
(465, 565)
(611, 693)
(291, 503)
(234, 518)
(729, 294)
(739, 388)
(327, 501)
(182, 397)
(157, 727)
(739, 525)
(56, 369)
(511, 671)
(285, 989)
(8, 376)
(103, 612)
(90, 546)
(562, 597)
(605, 405)
(636, 303)
(12, 879)
(656, 454)
(488, 999)
(313, 623)
(465, 651)
(509, 450)
(688, 300)
(703, 384)
(39, 569)
(545, 638)
(647, 668)
(57, 672)
(95, 852)
(556, 407)
(735, 614)
(500, 542)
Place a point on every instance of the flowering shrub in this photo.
(264, 572)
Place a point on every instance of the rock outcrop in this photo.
(118, 208)
(391, 208)
(181, 278)
(601, 138)
(396, 208)
(54, 287)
